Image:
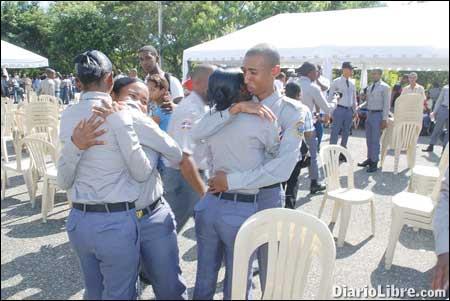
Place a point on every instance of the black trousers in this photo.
(290, 185)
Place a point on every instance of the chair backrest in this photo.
(43, 117)
(406, 134)
(294, 238)
(329, 156)
(47, 98)
(41, 152)
(408, 108)
(443, 163)
(32, 96)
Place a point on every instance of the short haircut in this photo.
(159, 81)
(121, 83)
(201, 70)
(378, 70)
(292, 90)
(149, 48)
(306, 68)
(267, 51)
(414, 74)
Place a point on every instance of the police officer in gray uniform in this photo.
(239, 146)
(312, 97)
(102, 182)
(159, 247)
(440, 113)
(261, 65)
(378, 106)
(346, 107)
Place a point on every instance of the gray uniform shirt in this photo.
(312, 96)
(155, 142)
(291, 120)
(379, 98)
(104, 173)
(348, 98)
(242, 145)
(440, 220)
(442, 100)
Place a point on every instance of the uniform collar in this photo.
(95, 95)
(269, 101)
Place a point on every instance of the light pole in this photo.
(160, 29)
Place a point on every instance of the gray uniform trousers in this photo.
(312, 144)
(441, 122)
(267, 198)
(342, 121)
(373, 135)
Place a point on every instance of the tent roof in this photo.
(15, 57)
(406, 37)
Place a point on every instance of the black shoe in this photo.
(342, 159)
(290, 202)
(144, 278)
(429, 149)
(316, 187)
(365, 163)
(373, 167)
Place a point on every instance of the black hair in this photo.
(306, 68)
(292, 90)
(122, 82)
(224, 88)
(149, 48)
(91, 66)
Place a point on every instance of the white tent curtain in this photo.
(345, 35)
(13, 56)
(364, 77)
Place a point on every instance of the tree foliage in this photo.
(119, 28)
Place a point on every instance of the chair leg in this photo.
(5, 151)
(411, 155)
(52, 194)
(336, 208)
(4, 177)
(397, 160)
(396, 228)
(45, 201)
(322, 206)
(372, 212)
(345, 220)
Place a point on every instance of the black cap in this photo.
(347, 65)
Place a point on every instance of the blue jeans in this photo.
(179, 194)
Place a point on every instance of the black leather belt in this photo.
(344, 107)
(152, 207)
(102, 208)
(276, 185)
(375, 111)
(238, 197)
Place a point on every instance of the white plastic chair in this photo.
(414, 210)
(293, 238)
(423, 178)
(344, 198)
(43, 117)
(43, 159)
(403, 133)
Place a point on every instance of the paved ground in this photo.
(38, 263)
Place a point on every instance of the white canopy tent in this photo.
(15, 57)
(409, 37)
